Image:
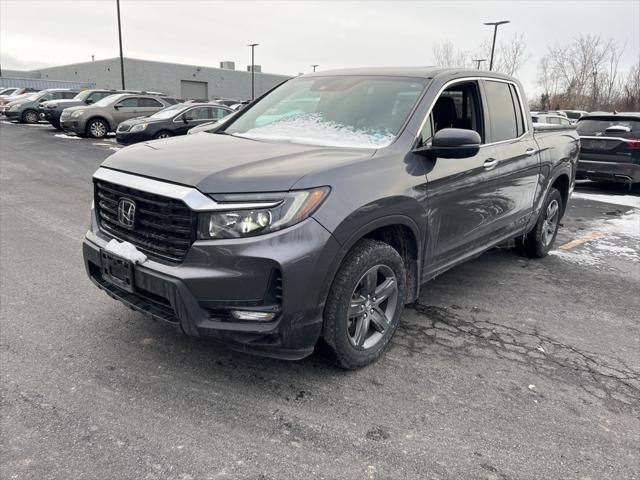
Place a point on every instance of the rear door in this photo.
(125, 109)
(518, 170)
(148, 106)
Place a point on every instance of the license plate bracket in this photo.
(117, 270)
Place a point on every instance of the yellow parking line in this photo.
(580, 240)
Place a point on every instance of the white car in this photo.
(550, 119)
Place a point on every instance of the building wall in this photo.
(163, 77)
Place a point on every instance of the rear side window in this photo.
(502, 110)
(129, 102)
(149, 102)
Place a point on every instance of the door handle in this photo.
(530, 151)
(490, 163)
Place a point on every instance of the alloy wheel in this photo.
(31, 117)
(550, 223)
(98, 129)
(373, 304)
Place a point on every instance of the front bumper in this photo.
(51, 116)
(218, 276)
(127, 138)
(13, 114)
(609, 171)
(71, 126)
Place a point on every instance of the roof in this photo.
(415, 72)
(631, 115)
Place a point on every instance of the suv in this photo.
(610, 147)
(25, 110)
(51, 111)
(271, 233)
(104, 116)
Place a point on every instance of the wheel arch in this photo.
(98, 117)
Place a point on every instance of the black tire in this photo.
(97, 128)
(30, 116)
(163, 134)
(56, 125)
(363, 258)
(538, 242)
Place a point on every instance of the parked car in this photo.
(324, 224)
(610, 147)
(574, 115)
(15, 95)
(25, 110)
(549, 118)
(171, 121)
(204, 127)
(52, 110)
(104, 116)
(5, 92)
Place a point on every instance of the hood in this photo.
(215, 163)
(79, 107)
(66, 103)
(137, 120)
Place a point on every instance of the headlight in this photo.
(50, 105)
(281, 210)
(77, 113)
(139, 127)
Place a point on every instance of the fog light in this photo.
(253, 316)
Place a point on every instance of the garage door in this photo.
(194, 90)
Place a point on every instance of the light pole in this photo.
(495, 32)
(253, 46)
(120, 40)
(478, 62)
(314, 66)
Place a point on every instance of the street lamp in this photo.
(120, 40)
(314, 66)
(478, 62)
(495, 32)
(253, 46)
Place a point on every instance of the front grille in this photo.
(163, 227)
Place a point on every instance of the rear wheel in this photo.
(56, 124)
(97, 128)
(539, 241)
(365, 303)
(30, 116)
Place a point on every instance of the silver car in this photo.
(104, 116)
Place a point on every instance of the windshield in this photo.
(82, 96)
(595, 126)
(168, 112)
(341, 111)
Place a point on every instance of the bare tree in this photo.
(509, 56)
(630, 98)
(446, 55)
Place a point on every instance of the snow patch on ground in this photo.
(622, 242)
(313, 130)
(68, 137)
(624, 200)
(7, 122)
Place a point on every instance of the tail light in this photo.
(633, 143)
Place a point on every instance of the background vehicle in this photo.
(610, 147)
(574, 115)
(105, 115)
(171, 121)
(548, 118)
(15, 95)
(205, 127)
(323, 224)
(5, 92)
(51, 111)
(26, 110)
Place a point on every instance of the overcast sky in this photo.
(294, 34)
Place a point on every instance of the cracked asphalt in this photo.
(506, 368)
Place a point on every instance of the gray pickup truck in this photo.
(317, 212)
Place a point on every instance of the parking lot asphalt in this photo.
(506, 368)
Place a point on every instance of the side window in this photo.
(128, 102)
(198, 113)
(219, 113)
(69, 94)
(457, 107)
(516, 102)
(502, 111)
(46, 97)
(98, 96)
(149, 102)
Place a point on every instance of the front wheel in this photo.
(163, 134)
(538, 242)
(365, 303)
(30, 116)
(97, 128)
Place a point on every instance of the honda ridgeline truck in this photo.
(316, 213)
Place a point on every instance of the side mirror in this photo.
(617, 129)
(117, 107)
(452, 143)
(88, 101)
(186, 119)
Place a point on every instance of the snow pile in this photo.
(126, 250)
(624, 200)
(313, 130)
(68, 137)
